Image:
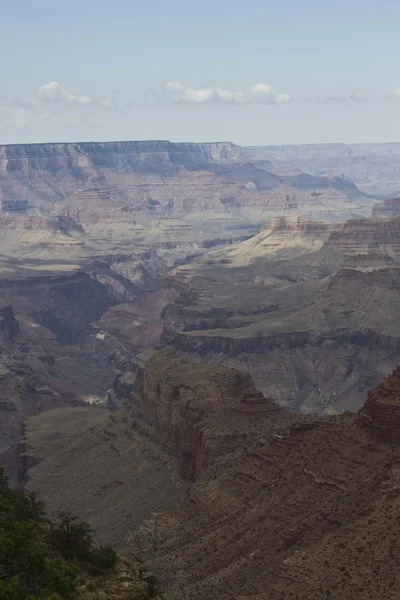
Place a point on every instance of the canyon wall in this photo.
(225, 494)
(94, 182)
(309, 309)
(185, 407)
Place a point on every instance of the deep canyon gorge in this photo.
(198, 355)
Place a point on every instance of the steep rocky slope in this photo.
(387, 208)
(235, 497)
(50, 355)
(113, 217)
(308, 308)
(126, 212)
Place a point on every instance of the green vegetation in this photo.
(40, 560)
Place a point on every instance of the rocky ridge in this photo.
(278, 505)
(114, 181)
(303, 306)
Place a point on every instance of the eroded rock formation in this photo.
(191, 409)
(310, 309)
(123, 185)
(381, 413)
(387, 208)
(278, 505)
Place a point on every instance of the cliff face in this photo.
(381, 413)
(374, 241)
(190, 409)
(269, 520)
(149, 176)
(271, 504)
(316, 299)
(291, 225)
(387, 208)
(48, 352)
(153, 155)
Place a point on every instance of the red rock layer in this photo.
(381, 413)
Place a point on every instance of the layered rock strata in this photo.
(233, 497)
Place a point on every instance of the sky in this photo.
(253, 72)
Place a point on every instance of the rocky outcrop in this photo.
(381, 413)
(292, 225)
(318, 300)
(123, 386)
(271, 505)
(191, 408)
(362, 241)
(387, 209)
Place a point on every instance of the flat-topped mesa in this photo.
(381, 412)
(299, 224)
(163, 155)
(387, 208)
(9, 327)
(197, 412)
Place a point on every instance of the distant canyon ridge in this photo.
(111, 250)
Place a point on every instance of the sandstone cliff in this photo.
(381, 413)
(387, 208)
(316, 301)
(280, 505)
(144, 155)
(191, 409)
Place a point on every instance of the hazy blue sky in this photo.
(254, 72)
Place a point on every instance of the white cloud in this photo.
(264, 94)
(178, 93)
(260, 93)
(55, 93)
(397, 93)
